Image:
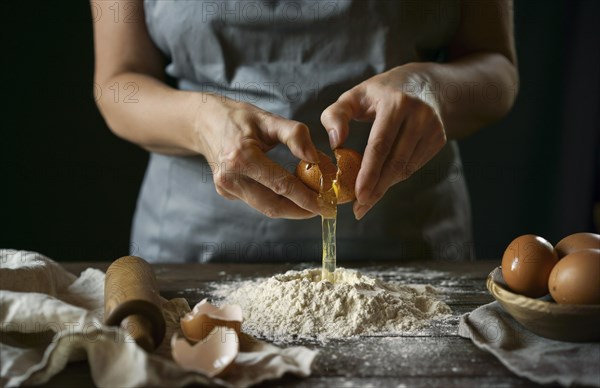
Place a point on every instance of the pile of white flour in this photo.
(297, 305)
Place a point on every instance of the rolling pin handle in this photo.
(140, 329)
(132, 301)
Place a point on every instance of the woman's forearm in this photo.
(469, 93)
(128, 83)
(145, 111)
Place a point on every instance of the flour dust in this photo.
(298, 305)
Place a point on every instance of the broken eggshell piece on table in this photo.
(198, 323)
(210, 356)
(215, 333)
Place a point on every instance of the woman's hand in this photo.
(234, 137)
(406, 133)
(476, 87)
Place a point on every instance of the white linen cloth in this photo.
(526, 354)
(49, 317)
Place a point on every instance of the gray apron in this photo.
(294, 58)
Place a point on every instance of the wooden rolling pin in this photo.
(131, 300)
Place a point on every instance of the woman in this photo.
(254, 82)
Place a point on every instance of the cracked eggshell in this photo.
(348, 164)
(212, 356)
(197, 324)
(310, 174)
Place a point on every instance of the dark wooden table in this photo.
(437, 357)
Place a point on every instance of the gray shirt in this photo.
(294, 58)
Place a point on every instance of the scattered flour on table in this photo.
(297, 305)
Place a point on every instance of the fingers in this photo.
(267, 202)
(398, 167)
(250, 165)
(283, 183)
(399, 164)
(245, 172)
(429, 145)
(293, 134)
(337, 116)
(233, 186)
(422, 136)
(224, 193)
(383, 134)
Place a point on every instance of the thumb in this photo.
(336, 117)
(295, 135)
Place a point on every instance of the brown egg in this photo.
(577, 242)
(348, 164)
(576, 278)
(526, 265)
(310, 173)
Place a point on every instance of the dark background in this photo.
(69, 185)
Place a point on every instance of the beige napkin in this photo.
(49, 317)
(526, 354)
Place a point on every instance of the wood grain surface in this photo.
(435, 357)
(132, 300)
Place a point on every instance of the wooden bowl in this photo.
(544, 317)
